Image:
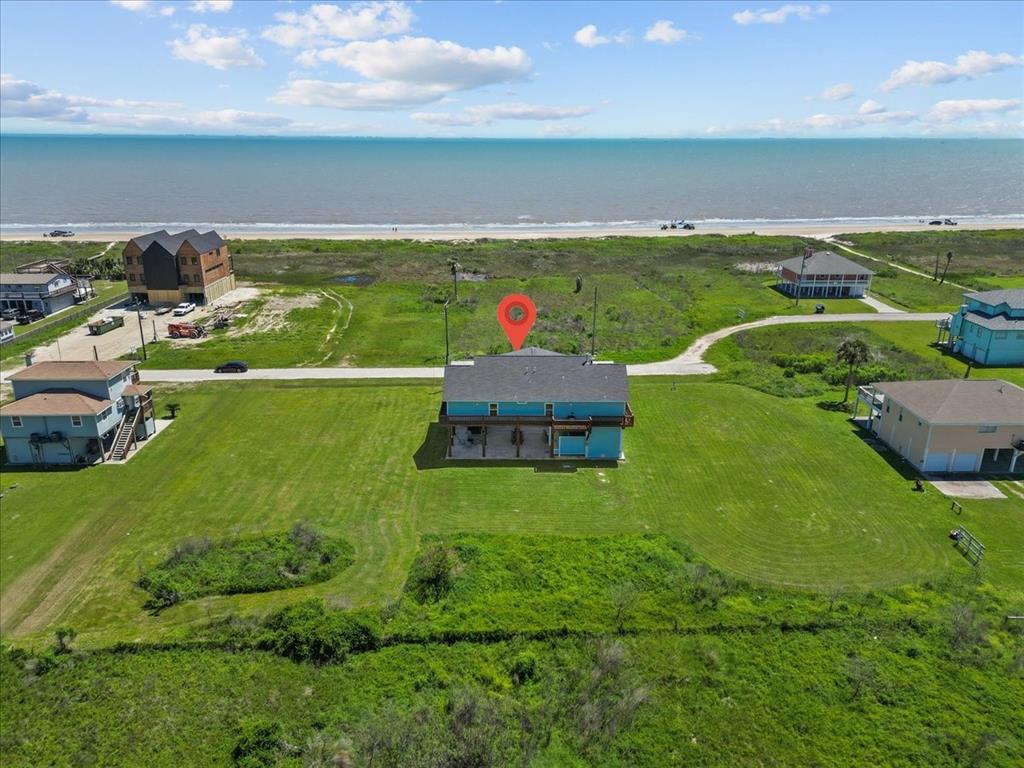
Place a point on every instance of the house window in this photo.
(1020, 334)
(16, 421)
(184, 278)
(492, 409)
(182, 260)
(901, 415)
(549, 409)
(76, 421)
(128, 260)
(195, 260)
(1000, 334)
(985, 428)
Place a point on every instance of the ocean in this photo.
(324, 184)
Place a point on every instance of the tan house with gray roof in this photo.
(955, 425)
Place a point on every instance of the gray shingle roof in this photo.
(72, 370)
(1014, 297)
(997, 323)
(959, 401)
(202, 242)
(538, 376)
(826, 263)
(29, 278)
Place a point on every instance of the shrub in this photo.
(523, 668)
(198, 567)
(309, 631)
(430, 577)
(260, 744)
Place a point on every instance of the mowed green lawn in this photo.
(775, 490)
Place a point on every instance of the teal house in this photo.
(989, 327)
(76, 413)
(535, 404)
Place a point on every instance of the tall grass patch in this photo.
(198, 567)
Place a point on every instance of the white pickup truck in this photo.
(183, 309)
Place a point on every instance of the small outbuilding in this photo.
(954, 425)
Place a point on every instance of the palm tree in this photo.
(949, 258)
(853, 352)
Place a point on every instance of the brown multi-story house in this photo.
(167, 269)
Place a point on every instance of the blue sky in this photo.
(513, 69)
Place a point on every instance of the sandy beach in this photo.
(818, 231)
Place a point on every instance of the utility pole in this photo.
(154, 330)
(142, 334)
(593, 328)
(445, 311)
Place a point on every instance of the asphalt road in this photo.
(689, 363)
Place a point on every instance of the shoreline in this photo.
(791, 229)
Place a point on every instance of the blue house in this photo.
(76, 413)
(535, 404)
(989, 327)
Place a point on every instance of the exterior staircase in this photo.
(125, 435)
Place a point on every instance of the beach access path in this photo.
(689, 363)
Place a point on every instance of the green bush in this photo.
(198, 567)
(430, 577)
(309, 631)
(260, 744)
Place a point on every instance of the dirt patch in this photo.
(272, 314)
(471, 277)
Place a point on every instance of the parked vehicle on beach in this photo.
(935, 223)
(949, 222)
(59, 233)
(183, 309)
(232, 366)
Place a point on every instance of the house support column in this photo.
(451, 440)
(484, 447)
(515, 435)
(1013, 461)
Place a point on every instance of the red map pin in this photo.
(517, 314)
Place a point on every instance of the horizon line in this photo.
(30, 134)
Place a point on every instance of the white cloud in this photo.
(386, 95)
(25, 99)
(480, 115)
(970, 66)
(958, 109)
(780, 14)
(870, 107)
(837, 92)
(587, 37)
(324, 23)
(666, 32)
(213, 6)
(205, 45)
(132, 5)
(406, 72)
(425, 60)
(870, 113)
(167, 10)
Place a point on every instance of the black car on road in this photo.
(232, 366)
(30, 316)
